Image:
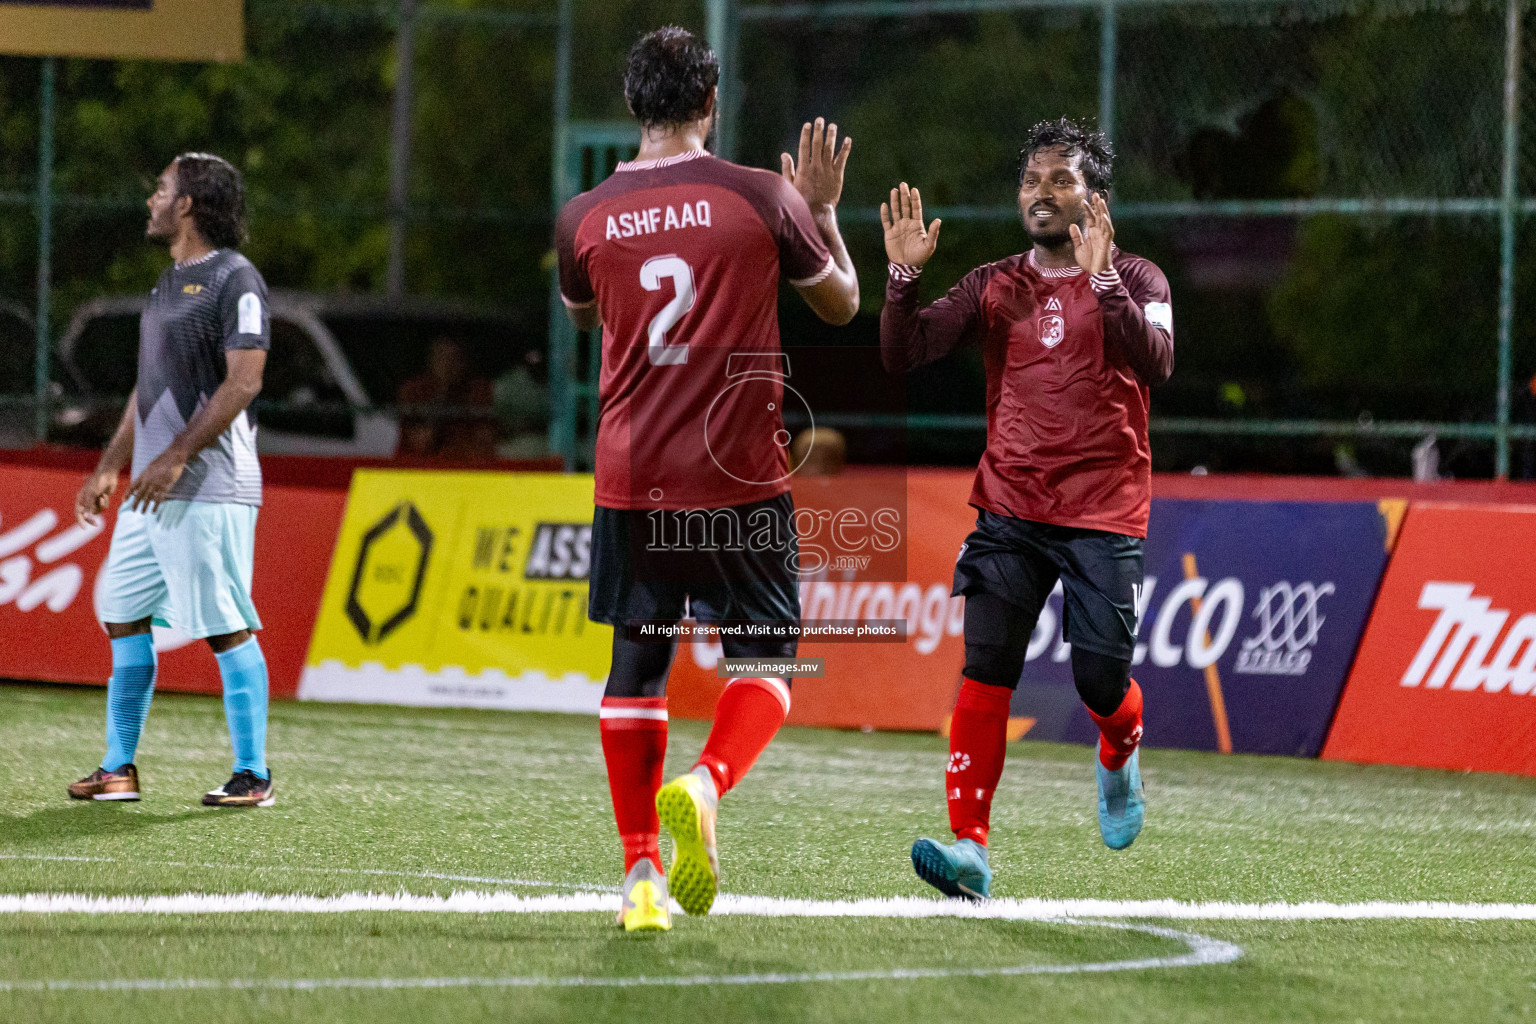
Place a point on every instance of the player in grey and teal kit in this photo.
(184, 542)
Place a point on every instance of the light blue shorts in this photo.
(187, 566)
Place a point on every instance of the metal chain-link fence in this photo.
(360, 206)
(1322, 182)
(1335, 190)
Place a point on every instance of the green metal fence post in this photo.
(40, 396)
(721, 30)
(562, 348)
(400, 145)
(1507, 206)
(1107, 59)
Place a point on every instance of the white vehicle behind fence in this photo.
(336, 362)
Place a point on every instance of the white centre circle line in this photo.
(1200, 951)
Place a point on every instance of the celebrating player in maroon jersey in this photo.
(1073, 333)
(678, 257)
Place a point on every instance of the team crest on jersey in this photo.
(1052, 330)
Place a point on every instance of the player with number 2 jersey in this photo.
(678, 257)
(683, 255)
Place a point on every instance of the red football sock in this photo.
(634, 731)
(978, 743)
(748, 715)
(1120, 732)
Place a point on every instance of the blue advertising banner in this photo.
(1249, 619)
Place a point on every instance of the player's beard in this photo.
(1052, 240)
(1049, 239)
(158, 235)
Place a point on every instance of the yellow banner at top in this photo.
(465, 589)
(150, 29)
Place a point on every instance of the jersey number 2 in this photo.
(652, 273)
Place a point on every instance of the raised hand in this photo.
(1093, 243)
(906, 240)
(819, 174)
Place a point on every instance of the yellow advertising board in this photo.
(464, 590)
(151, 29)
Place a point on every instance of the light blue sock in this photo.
(128, 695)
(244, 670)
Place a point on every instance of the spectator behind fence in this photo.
(522, 405)
(460, 435)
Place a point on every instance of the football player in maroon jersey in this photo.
(678, 257)
(1073, 333)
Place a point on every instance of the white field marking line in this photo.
(1201, 951)
(470, 902)
(429, 875)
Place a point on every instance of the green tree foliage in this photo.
(1399, 317)
(1396, 317)
(303, 116)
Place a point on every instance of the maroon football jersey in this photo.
(682, 256)
(1069, 358)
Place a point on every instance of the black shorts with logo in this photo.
(1020, 560)
(737, 563)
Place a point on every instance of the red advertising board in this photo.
(49, 567)
(908, 685)
(1309, 623)
(1446, 673)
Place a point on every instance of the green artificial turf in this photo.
(382, 799)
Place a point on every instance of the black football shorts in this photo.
(728, 564)
(1020, 561)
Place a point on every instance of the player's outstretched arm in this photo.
(818, 177)
(241, 386)
(909, 336)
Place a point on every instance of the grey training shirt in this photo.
(196, 313)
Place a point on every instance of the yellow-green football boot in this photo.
(645, 907)
(687, 806)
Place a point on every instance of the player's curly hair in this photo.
(1098, 156)
(217, 191)
(669, 76)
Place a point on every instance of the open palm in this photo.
(1093, 244)
(906, 240)
(819, 174)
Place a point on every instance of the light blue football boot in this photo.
(959, 870)
(1122, 802)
